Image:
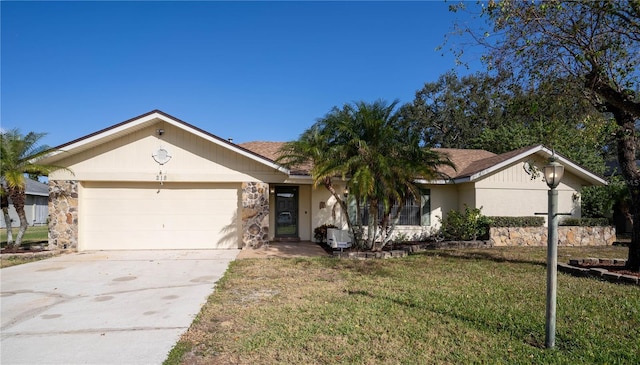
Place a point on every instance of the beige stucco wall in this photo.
(466, 196)
(322, 203)
(326, 214)
(194, 159)
(443, 199)
(512, 192)
(304, 213)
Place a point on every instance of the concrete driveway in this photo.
(106, 307)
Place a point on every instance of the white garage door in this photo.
(129, 216)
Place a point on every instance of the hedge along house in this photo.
(156, 182)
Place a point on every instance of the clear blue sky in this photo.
(246, 70)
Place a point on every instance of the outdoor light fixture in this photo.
(160, 131)
(552, 174)
(346, 192)
(272, 190)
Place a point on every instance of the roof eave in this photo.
(148, 118)
(585, 174)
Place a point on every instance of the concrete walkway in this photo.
(284, 250)
(106, 307)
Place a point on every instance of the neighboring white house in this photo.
(156, 182)
(36, 205)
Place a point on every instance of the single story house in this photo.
(156, 182)
(36, 206)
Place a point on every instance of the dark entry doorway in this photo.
(286, 212)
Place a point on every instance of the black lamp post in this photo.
(552, 174)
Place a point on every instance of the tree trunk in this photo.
(4, 204)
(626, 141)
(7, 221)
(17, 196)
(372, 230)
(633, 261)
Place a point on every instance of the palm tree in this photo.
(313, 150)
(4, 205)
(19, 156)
(365, 144)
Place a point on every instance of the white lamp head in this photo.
(553, 172)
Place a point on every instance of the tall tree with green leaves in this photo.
(489, 112)
(312, 150)
(19, 155)
(494, 114)
(596, 44)
(453, 110)
(366, 145)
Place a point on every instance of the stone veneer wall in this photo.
(255, 214)
(567, 236)
(63, 215)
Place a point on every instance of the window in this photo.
(413, 213)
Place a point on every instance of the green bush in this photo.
(517, 221)
(585, 222)
(467, 225)
(320, 233)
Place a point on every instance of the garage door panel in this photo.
(156, 222)
(138, 216)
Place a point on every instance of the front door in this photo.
(286, 211)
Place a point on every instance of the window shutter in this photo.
(425, 201)
(351, 204)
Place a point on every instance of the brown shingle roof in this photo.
(467, 161)
(271, 150)
(489, 161)
(265, 149)
(463, 159)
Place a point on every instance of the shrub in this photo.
(320, 233)
(585, 222)
(401, 237)
(517, 221)
(467, 225)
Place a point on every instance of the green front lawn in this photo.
(440, 307)
(34, 234)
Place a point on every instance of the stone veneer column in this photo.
(63, 215)
(255, 214)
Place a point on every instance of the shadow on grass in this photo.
(527, 334)
(475, 255)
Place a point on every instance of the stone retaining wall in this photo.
(567, 236)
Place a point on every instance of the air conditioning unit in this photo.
(338, 238)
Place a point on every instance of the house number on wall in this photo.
(161, 156)
(161, 177)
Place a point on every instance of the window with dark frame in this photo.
(414, 212)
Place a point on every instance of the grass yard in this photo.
(440, 307)
(33, 234)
